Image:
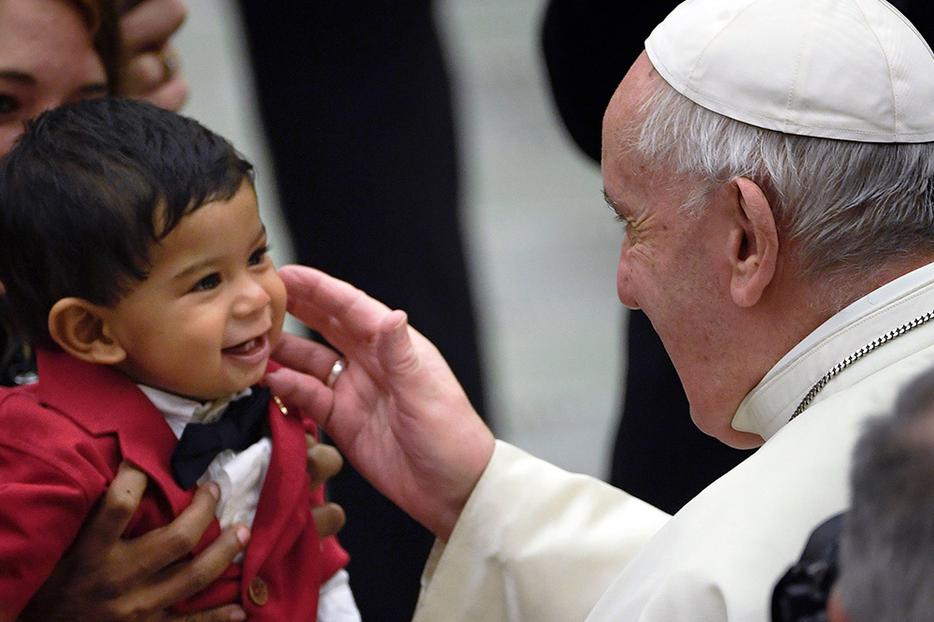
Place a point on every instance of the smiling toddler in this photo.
(135, 261)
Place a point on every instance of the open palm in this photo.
(397, 411)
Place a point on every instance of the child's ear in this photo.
(79, 328)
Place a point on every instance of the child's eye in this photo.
(207, 283)
(257, 256)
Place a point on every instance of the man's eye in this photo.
(623, 221)
(257, 256)
(8, 104)
(209, 282)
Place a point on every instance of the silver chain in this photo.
(866, 349)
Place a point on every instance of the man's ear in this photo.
(80, 329)
(753, 244)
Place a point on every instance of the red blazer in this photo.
(61, 443)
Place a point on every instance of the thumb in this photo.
(395, 349)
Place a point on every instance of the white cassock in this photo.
(538, 544)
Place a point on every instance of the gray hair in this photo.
(847, 206)
(887, 544)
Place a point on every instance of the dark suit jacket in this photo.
(62, 442)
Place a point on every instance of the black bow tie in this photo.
(241, 425)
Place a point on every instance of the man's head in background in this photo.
(887, 543)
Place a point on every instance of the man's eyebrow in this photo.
(204, 263)
(18, 76)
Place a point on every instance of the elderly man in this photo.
(771, 161)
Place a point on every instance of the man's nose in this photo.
(624, 287)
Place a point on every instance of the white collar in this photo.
(770, 405)
(180, 411)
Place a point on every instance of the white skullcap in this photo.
(846, 69)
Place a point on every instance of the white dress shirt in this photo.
(240, 476)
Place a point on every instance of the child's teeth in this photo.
(245, 347)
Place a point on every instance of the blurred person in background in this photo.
(875, 562)
(887, 544)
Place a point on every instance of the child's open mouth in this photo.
(249, 347)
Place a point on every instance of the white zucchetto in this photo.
(845, 69)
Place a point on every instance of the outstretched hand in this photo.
(397, 412)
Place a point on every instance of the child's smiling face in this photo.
(204, 322)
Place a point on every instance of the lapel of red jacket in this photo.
(285, 489)
(104, 401)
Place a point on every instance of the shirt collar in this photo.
(180, 411)
(770, 404)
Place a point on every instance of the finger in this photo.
(146, 76)
(143, 73)
(227, 613)
(343, 314)
(305, 355)
(186, 579)
(157, 549)
(324, 462)
(306, 392)
(329, 519)
(150, 24)
(111, 518)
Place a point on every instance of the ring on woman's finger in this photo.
(336, 370)
(170, 63)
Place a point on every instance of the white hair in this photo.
(848, 207)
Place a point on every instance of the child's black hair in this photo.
(87, 191)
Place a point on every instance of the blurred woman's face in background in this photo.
(47, 58)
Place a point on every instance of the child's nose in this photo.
(251, 297)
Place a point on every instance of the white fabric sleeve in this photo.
(534, 543)
(336, 602)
